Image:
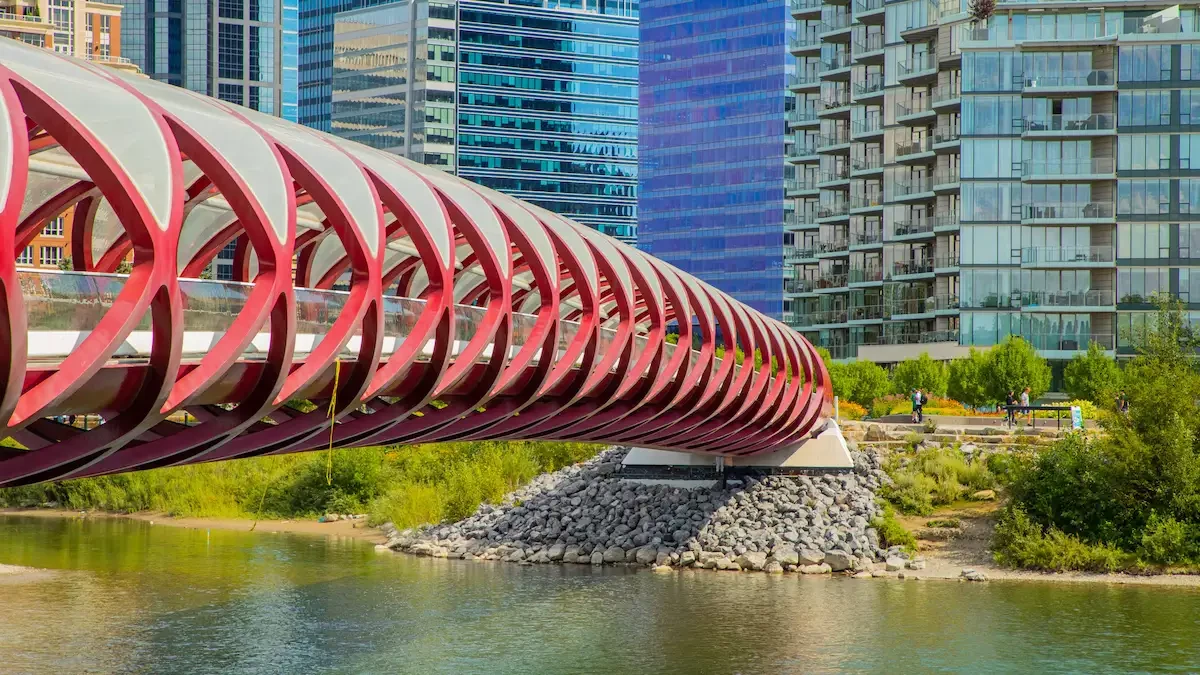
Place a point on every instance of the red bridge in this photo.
(467, 314)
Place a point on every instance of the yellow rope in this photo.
(337, 372)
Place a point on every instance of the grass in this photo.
(408, 486)
(934, 477)
(1019, 542)
(944, 523)
(891, 532)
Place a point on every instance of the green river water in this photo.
(127, 596)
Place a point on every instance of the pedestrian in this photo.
(1123, 403)
(915, 397)
(1010, 402)
(919, 405)
(1025, 404)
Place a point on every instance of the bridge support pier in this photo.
(825, 452)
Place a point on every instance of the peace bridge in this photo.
(465, 314)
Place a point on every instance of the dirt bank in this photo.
(342, 528)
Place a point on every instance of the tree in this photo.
(869, 382)
(981, 10)
(967, 383)
(65, 264)
(843, 379)
(921, 373)
(1092, 376)
(1013, 365)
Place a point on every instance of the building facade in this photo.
(241, 51)
(538, 101)
(714, 106)
(84, 30)
(969, 178)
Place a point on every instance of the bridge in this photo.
(374, 300)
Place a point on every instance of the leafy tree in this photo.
(921, 373)
(1092, 376)
(825, 356)
(672, 338)
(1013, 365)
(870, 381)
(967, 382)
(64, 264)
(844, 380)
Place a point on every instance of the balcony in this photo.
(870, 87)
(1058, 301)
(868, 239)
(804, 81)
(867, 202)
(910, 308)
(835, 27)
(923, 337)
(945, 221)
(869, 50)
(947, 97)
(800, 221)
(913, 229)
(911, 268)
(829, 282)
(913, 190)
(795, 255)
(946, 137)
(916, 113)
(802, 117)
(806, 9)
(1058, 170)
(795, 286)
(947, 302)
(1087, 214)
(870, 274)
(838, 141)
(836, 66)
(805, 43)
(833, 178)
(833, 247)
(802, 150)
(1063, 83)
(871, 126)
(945, 179)
(1069, 342)
(1068, 257)
(921, 67)
(835, 103)
(828, 317)
(1068, 126)
(868, 11)
(914, 150)
(865, 313)
(946, 264)
(797, 187)
(871, 161)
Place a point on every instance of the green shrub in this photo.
(1013, 365)
(891, 532)
(1019, 542)
(1166, 541)
(1092, 376)
(944, 523)
(911, 492)
(935, 477)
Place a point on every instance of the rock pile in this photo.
(586, 514)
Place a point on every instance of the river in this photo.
(128, 596)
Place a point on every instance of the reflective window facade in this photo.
(242, 51)
(531, 100)
(712, 128)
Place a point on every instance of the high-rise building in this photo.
(241, 51)
(713, 110)
(78, 28)
(536, 100)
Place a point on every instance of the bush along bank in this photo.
(586, 514)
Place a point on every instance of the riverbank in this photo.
(357, 529)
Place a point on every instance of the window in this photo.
(1148, 108)
(1189, 62)
(1189, 241)
(1149, 63)
(1189, 285)
(1137, 285)
(1144, 241)
(54, 228)
(26, 256)
(230, 46)
(1144, 197)
(1145, 152)
(1189, 195)
(50, 256)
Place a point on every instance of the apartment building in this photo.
(78, 28)
(962, 179)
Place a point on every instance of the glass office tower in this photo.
(714, 104)
(533, 100)
(241, 51)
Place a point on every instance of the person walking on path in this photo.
(1010, 417)
(1025, 403)
(919, 400)
(915, 397)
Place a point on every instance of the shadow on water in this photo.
(131, 597)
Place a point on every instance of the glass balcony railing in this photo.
(798, 285)
(827, 281)
(946, 134)
(1093, 122)
(914, 146)
(868, 274)
(803, 148)
(805, 41)
(794, 254)
(869, 125)
(903, 268)
(909, 306)
(838, 136)
(947, 93)
(1088, 166)
(834, 176)
(945, 219)
(912, 186)
(800, 184)
(1094, 210)
(865, 313)
(793, 219)
(918, 64)
(922, 337)
(867, 238)
(866, 201)
(916, 106)
(869, 161)
(803, 79)
(872, 84)
(833, 210)
(836, 61)
(839, 98)
(828, 316)
(802, 115)
(946, 176)
(903, 228)
(864, 6)
(943, 302)
(1067, 255)
(833, 245)
(1069, 341)
(798, 6)
(942, 262)
(872, 42)
(1091, 78)
(835, 21)
(1064, 299)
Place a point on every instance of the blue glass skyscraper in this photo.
(712, 128)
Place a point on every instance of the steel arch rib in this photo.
(467, 314)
